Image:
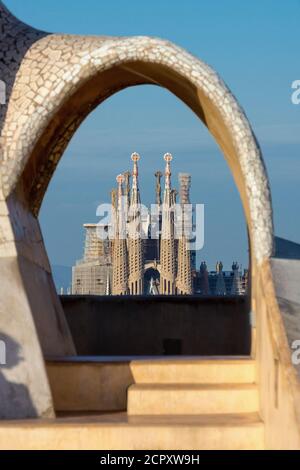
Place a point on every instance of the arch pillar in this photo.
(54, 82)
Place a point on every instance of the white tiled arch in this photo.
(55, 66)
(42, 72)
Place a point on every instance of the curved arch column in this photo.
(57, 82)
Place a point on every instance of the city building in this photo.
(220, 283)
(149, 255)
(149, 259)
(92, 275)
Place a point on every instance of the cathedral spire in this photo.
(157, 217)
(135, 242)
(158, 176)
(184, 271)
(120, 260)
(135, 192)
(127, 176)
(168, 158)
(167, 247)
(114, 194)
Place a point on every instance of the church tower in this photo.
(184, 270)
(236, 288)
(204, 280)
(135, 242)
(167, 245)
(120, 260)
(220, 284)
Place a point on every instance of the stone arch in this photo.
(152, 265)
(36, 135)
(53, 84)
(151, 270)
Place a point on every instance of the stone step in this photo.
(194, 370)
(192, 399)
(100, 384)
(120, 432)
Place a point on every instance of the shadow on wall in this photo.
(15, 399)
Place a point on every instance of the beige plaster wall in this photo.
(277, 378)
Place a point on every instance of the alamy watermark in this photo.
(2, 92)
(2, 353)
(296, 93)
(296, 353)
(161, 221)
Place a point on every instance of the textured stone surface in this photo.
(24, 389)
(52, 82)
(46, 69)
(117, 431)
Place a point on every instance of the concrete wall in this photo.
(139, 326)
(278, 382)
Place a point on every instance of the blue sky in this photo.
(253, 45)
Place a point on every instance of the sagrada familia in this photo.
(128, 260)
(135, 261)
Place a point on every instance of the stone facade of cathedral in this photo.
(139, 263)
